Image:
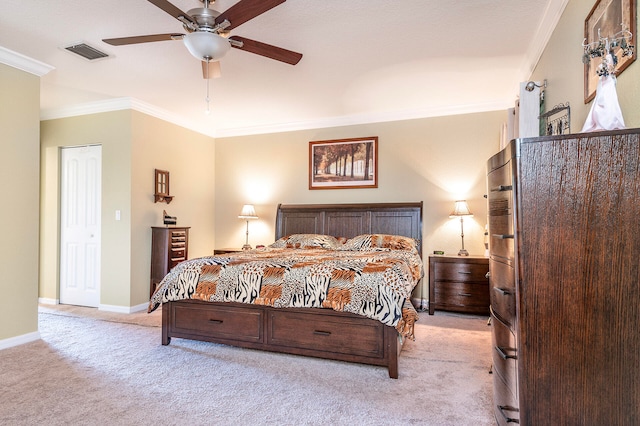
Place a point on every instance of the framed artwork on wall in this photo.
(607, 21)
(343, 163)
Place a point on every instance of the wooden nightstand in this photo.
(226, 250)
(459, 284)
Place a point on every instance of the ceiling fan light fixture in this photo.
(206, 45)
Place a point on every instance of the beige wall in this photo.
(133, 145)
(561, 64)
(112, 131)
(435, 160)
(19, 186)
(189, 157)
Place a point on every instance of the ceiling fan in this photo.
(207, 36)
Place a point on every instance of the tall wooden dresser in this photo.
(169, 246)
(564, 223)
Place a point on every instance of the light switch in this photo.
(117, 214)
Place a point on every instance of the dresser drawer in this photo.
(501, 237)
(461, 272)
(504, 353)
(177, 252)
(299, 330)
(500, 211)
(226, 322)
(501, 226)
(503, 292)
(505, 404)
(178, 236)
(459, 295)
(500, 179)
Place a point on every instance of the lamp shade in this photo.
(248, 212)
(206, 46)
(461, 209)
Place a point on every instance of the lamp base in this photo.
(246, 247)
(463, 252)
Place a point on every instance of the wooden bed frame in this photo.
(322, 333)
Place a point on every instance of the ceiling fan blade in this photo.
(211, 69)
(142, 39)
(172, 10)
(267, 50)
(245, 10)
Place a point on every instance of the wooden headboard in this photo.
(349, 220)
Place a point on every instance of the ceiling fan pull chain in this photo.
(207, 99)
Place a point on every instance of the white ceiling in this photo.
(364, 60)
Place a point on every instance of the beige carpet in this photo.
(93, 367)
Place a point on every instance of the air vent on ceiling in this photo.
(86, 51)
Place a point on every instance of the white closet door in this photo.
(80, 181)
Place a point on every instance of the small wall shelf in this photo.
(162, 187)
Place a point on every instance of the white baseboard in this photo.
(19, 340)
(106, 308)
(123, 309)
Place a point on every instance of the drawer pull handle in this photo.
(503, 354)
(502, 188)
(464, 294)
(502, 291)
(215, 321)
(322, 333)
(503, 236)
(507, 419)
(465, 272)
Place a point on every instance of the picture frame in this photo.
(343, 163)
(610, 17)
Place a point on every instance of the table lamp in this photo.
(461, 210)
(248, 213)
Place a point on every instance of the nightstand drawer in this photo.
(462, 295)
(461, 272)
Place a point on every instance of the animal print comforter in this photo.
(367, 280)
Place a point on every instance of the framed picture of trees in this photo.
(343, 163)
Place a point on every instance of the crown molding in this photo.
(364, 119)
(548, 24)
(24, 63)
(118, 104)
(96, 107)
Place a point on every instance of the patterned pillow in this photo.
(375, 241)
(307, 241)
